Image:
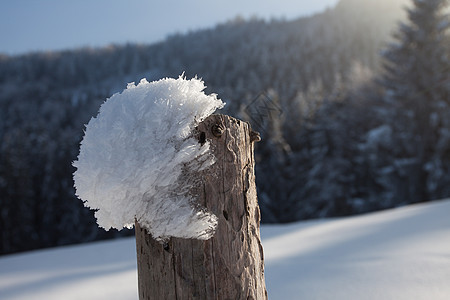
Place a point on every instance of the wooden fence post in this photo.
(230, 265)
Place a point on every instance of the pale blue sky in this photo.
(27, 25)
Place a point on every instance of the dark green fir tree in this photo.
(417, 81)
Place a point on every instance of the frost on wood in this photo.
(134, 152)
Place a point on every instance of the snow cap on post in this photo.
(134, 152)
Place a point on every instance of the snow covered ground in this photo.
(397, 254)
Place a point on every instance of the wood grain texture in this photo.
(231, 264)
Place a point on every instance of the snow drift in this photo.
(134, 151)
(399, 254)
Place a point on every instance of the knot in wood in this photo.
(217, 129)
(254, 136)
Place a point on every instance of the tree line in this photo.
(355, 131)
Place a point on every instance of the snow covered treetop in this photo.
(134, 152)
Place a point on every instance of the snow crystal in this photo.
(134, 152)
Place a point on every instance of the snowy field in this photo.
(397, 254)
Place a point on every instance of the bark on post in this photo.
(231, 264)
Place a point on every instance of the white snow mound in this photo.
(134, 151)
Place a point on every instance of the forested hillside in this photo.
(332, 148)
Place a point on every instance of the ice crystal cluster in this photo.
(134, 152)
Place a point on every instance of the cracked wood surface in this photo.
(231, 264)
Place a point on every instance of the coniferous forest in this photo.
(356, 114)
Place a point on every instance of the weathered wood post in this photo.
(230, 265)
